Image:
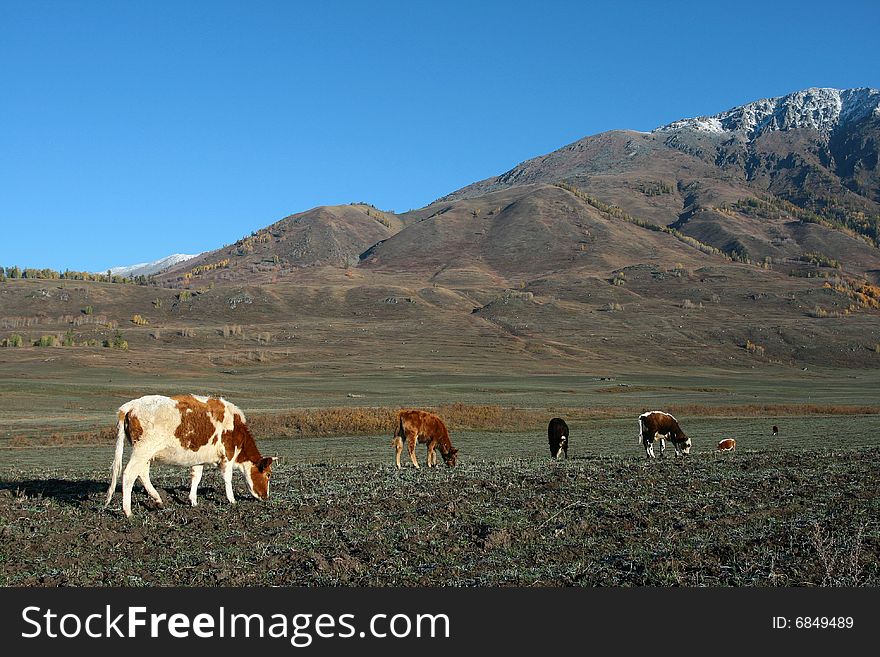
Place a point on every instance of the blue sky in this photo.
(132, 130)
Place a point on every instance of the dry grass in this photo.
(350, 421)
(100, 436)
(373, 421)
(378, 420)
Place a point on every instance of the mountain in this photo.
(774, 179)
(324, 236)
(149, 268)
(742, 239)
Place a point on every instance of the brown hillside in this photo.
(328, 235)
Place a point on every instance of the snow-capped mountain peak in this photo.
(148, 268)
(820, 109)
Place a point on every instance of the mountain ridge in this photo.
(819, 108)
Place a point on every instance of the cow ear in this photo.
(264, 463)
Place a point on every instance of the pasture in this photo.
(797, 509)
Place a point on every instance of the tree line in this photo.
(16, 273)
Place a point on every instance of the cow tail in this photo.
(117, 459)
(398, 431)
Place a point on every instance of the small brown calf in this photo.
(423, 427)
(727, 445)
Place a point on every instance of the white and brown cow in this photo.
(657, 425)
(727, 445)
(186, 430)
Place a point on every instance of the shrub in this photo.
(88, 310)
(68, 340)
(118, 342)
(46, 341)
(753, 348)
(140, 320)
(14, 340)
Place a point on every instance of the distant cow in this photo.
(727, 445)
(657, 425)
(420, 426)
(557, 436)
(775, 430)
(186, 430)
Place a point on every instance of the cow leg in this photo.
(565, 449)
(649, 449)
(148, 485)
(398, 448)
(411, 448)
(195, 476)
(432, 457)
(227, 468)
(132, 471)
(662, 446)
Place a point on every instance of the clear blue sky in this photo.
(131, 130)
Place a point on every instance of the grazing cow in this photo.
(186, 430)
(423, 427)
(557, 436)
(727, 445)
(657, 425)
(775, 430)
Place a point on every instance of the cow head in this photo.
(450, 457)
(258, 475)
(684, 443)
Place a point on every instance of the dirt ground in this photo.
(752, 518)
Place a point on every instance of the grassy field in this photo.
(798, 509)
(39, 398)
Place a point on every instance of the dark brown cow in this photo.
(727, 445)
(557, 436)
(657, 425)
(420, 426)
(186, 430)
(775, 430)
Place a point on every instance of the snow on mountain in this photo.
(820, 109)
(147, 268)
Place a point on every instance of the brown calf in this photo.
(420, 426)
(727, 445)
